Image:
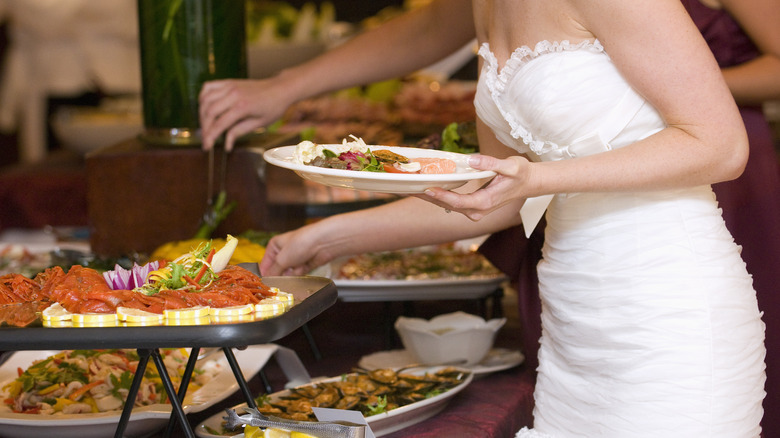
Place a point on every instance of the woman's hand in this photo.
(510, 185)
(239, 106)
(296, 252)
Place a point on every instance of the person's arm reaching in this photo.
(399, 47)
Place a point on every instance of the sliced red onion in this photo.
(127, 279)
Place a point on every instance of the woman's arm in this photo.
(399, 47)
(663, 56)
(758, 80)
(405, 223)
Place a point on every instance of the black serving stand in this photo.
(312, 296)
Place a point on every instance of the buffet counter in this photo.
(494, 405)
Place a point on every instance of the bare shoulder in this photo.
(661, 53)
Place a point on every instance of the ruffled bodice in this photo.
(557, 94)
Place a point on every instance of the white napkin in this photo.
(532, 211)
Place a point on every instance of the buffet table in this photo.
(312, 296)
(494, 405)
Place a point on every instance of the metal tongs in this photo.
(322, 429)
(216, 208)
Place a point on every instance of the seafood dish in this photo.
(93, 381)
(381, 395)
(196, 285)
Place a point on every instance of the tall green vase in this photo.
(185, 43)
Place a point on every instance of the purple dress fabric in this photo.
(751, 209)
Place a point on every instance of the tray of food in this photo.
(450, 271)
(196, 300)
(50, 398)
(389, 399)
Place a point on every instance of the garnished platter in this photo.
(381, 424)
(143, 420)
(452, 271)
(383, 182)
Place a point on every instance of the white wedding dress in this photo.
(650, 322)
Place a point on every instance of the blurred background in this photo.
(70, 84)
(70, 70)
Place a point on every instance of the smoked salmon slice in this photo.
(435, 165)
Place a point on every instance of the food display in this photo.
(370, 392)
(377, 394)
(94, 381)
(196, 288)
(18, 258)
(356, 155)
(391, 112)
(440, 262)
(246, 250)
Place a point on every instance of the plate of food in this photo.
(446, 271)
(384, 169)
(398, 406)
(212, 382)
(497, 359)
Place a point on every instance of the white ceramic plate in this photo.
(497, 359)
(143, 420)
(381, 424)
(380, 181)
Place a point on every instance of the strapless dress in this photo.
(650, 321)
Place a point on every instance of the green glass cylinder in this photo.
(185, 43)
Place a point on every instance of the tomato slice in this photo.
(389, 168)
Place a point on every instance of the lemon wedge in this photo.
(270, 306)
(228, 319)
(287, 298)
(186, 313)
(139, 316)
(232, 310)
(57, 323)
(253, 432)
(295, 434)
(95, 318)
(272, 432)
(201, 320)
(56, 312)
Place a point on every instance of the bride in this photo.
(613, 118)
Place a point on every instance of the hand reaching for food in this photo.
(236, 107)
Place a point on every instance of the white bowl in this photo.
(448, 338)
(85, 129)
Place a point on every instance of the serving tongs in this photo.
(216, 207)
(321, 429)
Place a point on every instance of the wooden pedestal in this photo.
(141, 196)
